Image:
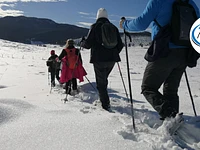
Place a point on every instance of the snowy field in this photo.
(33, 117)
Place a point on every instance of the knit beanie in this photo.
(102, 13)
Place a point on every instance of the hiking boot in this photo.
(74, 92)
(168, 112)
(69, 93)
(64, 85)
(106, 107)
(109, 109)
(53, 84)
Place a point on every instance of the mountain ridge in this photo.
(27, 29)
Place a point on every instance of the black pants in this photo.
(102, 71)
(54, 74)
(167, 71)
(71, 84)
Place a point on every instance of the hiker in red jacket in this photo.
(72, 68)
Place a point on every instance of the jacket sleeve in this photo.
(143, 21)
(120, 45)
(63, 54)
(90, 38)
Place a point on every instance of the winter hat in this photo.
(70, 42)
(102, 13)
(52, 52)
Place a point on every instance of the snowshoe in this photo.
(178, 121)
(74, 92)
(109, 110)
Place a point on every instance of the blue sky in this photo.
(77, 12)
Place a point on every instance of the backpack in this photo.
(72, 58)
(49, 63)
(183, 17)
(109, 35)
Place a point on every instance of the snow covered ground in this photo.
(33, 117)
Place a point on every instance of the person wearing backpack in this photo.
(53, 67)
(72, 68)
(167, 69)
(105, 43)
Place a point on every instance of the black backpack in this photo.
(52, 63)
(183, 17)
(109, 35)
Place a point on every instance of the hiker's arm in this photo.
(50, 58)
(63, 54)
(143, 21)
(80, 58)
(87, 43)
(120, 45)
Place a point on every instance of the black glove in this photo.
(123, 18)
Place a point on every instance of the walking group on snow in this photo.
(168, 56)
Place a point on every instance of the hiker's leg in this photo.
(74, 84)
(151, 84)
(57, 74)
(102, 70)
(171, 85)
(159, 72)
(154, 76)
(68, 87)
(52, 77)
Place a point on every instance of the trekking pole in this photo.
(48, 76)
(91, 84)
(190, 93)
(128, 71)
(123, 81)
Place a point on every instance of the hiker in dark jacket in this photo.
(103, 59)
(54, 67)
(166, 70)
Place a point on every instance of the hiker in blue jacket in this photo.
(166, 70)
